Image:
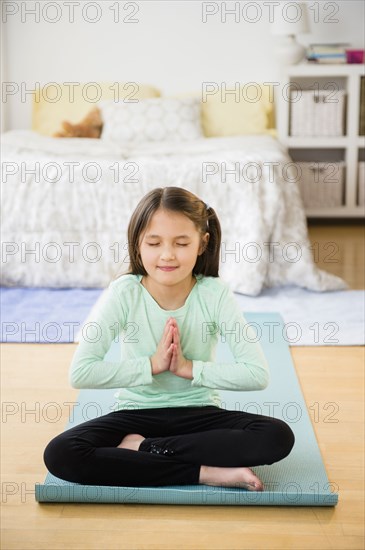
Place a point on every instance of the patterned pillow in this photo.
(154, 119)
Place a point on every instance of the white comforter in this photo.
(66, 204)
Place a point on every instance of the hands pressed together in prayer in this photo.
(168, 355)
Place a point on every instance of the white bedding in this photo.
(73, 212)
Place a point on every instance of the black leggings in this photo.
(178, 441)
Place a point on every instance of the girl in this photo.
(168, 426)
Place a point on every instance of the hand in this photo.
(179, 365)
(161, 359)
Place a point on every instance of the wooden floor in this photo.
(36, 399)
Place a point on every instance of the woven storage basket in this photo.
(318, 113)
(321, 183)
(362, 107)
(361, 184)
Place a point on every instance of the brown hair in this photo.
(175, 199)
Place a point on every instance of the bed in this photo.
(66, 202)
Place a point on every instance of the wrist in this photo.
(153, 366)
(189, 369)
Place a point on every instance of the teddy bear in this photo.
(89, 127)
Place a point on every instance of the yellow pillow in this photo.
(57, 102)
(252, 113)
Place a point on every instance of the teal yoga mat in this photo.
(298, 480)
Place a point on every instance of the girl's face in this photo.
(170, 240)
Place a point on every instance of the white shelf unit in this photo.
(350, 147)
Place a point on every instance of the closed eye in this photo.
(178, 244)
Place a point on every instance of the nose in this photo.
(167, 254)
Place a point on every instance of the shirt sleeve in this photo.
(250, 371)
(88, 368)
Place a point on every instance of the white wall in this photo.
(169, 47)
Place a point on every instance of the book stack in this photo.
(327, 53)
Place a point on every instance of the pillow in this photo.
(157, 119)
(57, 102)
(224, 116)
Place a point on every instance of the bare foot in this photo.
(230, 477)
(131, 441)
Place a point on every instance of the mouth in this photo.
(167, 268)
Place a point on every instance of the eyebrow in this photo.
(158, 237)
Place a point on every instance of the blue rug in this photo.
(298, 480)
(47, 315)
(334, 318)
(44, 315)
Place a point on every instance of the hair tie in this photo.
(207, 206)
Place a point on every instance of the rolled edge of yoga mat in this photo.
(188, 495)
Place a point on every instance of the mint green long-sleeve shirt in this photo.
(128, 313)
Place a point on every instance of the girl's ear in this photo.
(204, 243)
